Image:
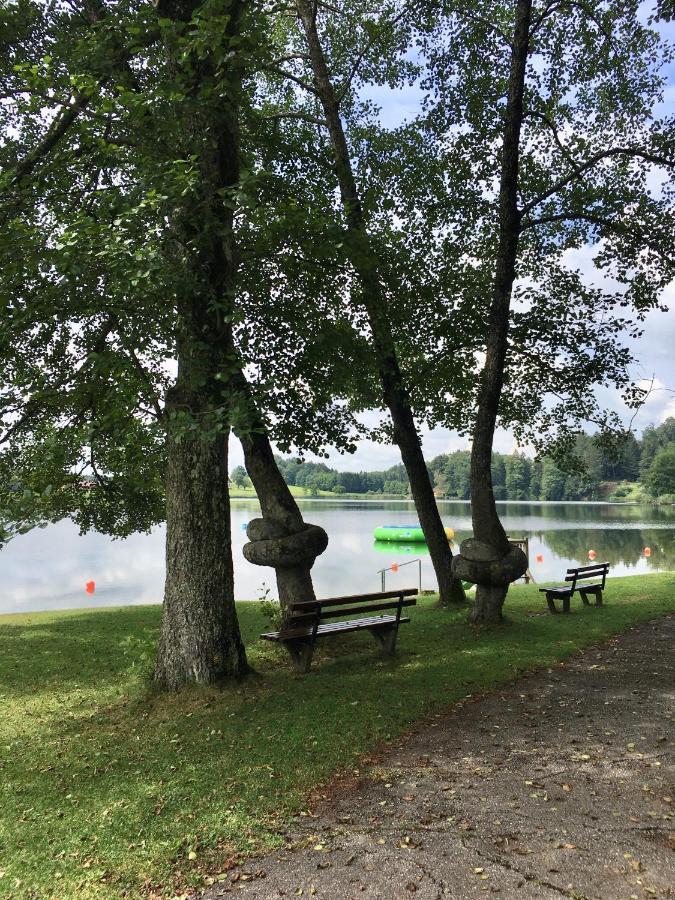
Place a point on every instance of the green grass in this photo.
(248, 493)
(107, 790)
(629, 492)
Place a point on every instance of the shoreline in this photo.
(388, 498)
(68, 611)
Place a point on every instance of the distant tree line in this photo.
(590, 467)
(315, 477)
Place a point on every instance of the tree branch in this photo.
(56, 131)
(304, 117)
(569, 215)
(556, 136)
(294, 78)
(360, 56)
(579, 170)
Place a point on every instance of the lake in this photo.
(49, 568)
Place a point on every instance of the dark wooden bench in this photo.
(565, 592)
(309, 621)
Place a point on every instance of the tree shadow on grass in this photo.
(75, 649)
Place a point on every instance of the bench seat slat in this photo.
(565, 589)
(601, 566)
(333, 628)
(357, 598)
(573, 575)
(333, 612)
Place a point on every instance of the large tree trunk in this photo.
(200, 640)
(493, 561)
(366, 265)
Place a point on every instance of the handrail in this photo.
(383, 572)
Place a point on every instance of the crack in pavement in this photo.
(500, 861)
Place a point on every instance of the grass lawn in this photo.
(107, 790)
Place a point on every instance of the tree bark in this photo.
(366, 265)
(200, 639)
(280, 539)
(487, 526)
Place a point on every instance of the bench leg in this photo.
(598, 598)
(566, 604)
(386, 638)
(301, 654)
(584, 598)
(551, 604)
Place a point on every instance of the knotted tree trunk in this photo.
(281, 539)
(488, 559)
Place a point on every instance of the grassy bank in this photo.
(248, 493)
(109, 791)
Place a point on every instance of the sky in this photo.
(654, 351)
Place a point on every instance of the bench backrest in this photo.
(344, 607)
(597, 570)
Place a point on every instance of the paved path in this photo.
(556, 786)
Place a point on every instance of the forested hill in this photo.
(645, 469)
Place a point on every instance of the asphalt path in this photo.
(560, 785)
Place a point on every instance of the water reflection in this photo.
(48, 568)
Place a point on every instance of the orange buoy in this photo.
(592, 554)
(394, 567)
(90, 587)
(647, 551)
(539, 557)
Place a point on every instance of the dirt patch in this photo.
(556, 786)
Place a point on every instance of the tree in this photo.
(128, 201)
(653, 439)
(536, 479)
(544, 348)
(517, 477)
(660, 478)
(239, 477)
(499, 482)
(333, 91)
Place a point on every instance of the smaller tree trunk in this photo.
(366, 266)
(281, 539)
(487, 607)
(200, 639)
(487, 527)
(450, 590)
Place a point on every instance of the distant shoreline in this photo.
(326, 497)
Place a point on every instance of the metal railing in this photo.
(523, 543)
(394, 567)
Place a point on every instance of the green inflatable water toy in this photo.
(397, 548)
(405, 534)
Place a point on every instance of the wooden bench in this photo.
(308, 622)
(565, 592)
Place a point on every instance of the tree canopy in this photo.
(206, 226)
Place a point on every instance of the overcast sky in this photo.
(655, 351)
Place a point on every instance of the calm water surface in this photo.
(48, 568)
